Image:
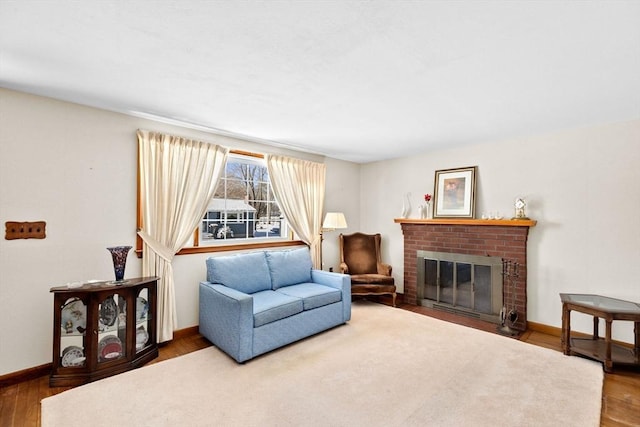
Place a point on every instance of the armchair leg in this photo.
(394, 299)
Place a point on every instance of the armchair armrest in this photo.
(344, 268)
(384, 269)
(226, 319)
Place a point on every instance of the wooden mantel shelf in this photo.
(453, 221)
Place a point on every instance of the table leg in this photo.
(596, 324)
(608, 363)
(636, 329)
(566, 329)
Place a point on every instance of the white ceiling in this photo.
(355, 80)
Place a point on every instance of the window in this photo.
(242, 214)
(243, 207)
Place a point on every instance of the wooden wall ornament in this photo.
(25, 230)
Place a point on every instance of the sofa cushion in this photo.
(246, 272)
(289, 267)
(313, 295)
(269, 306)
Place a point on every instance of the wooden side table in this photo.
(609, 309)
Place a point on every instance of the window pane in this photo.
(261, 191)
(243, 206)
(236, 189)
(220, 191)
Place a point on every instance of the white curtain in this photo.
(178, 177)
(299, 187)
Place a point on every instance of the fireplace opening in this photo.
(465, 284)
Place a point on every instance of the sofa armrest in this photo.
(338, 281)
(226, 319)
(334, 280)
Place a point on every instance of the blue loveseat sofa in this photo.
(255, 302)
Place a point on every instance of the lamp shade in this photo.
(334, 220)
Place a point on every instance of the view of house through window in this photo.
(243, 206)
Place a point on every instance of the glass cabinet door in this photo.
(73, 326)
(112, 321)
(143, 319)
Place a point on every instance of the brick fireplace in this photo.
(506, 239)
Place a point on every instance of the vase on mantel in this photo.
(425, 211)
(406, 206)
(119, 255)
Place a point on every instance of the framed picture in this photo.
(455, 193)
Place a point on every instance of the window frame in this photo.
(222, 247)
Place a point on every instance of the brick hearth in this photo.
(500, 238)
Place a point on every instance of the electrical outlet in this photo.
(25, 230)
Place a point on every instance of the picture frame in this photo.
(455, 193)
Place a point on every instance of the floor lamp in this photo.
(332, 221)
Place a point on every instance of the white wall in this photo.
(75, 168)
(343, 195)
(581, 185)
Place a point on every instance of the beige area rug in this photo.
(386, 367)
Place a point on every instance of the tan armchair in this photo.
(360, 258)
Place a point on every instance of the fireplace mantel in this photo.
(455, 221)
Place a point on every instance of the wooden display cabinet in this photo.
(102, 329)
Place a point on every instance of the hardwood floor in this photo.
(20, 403)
